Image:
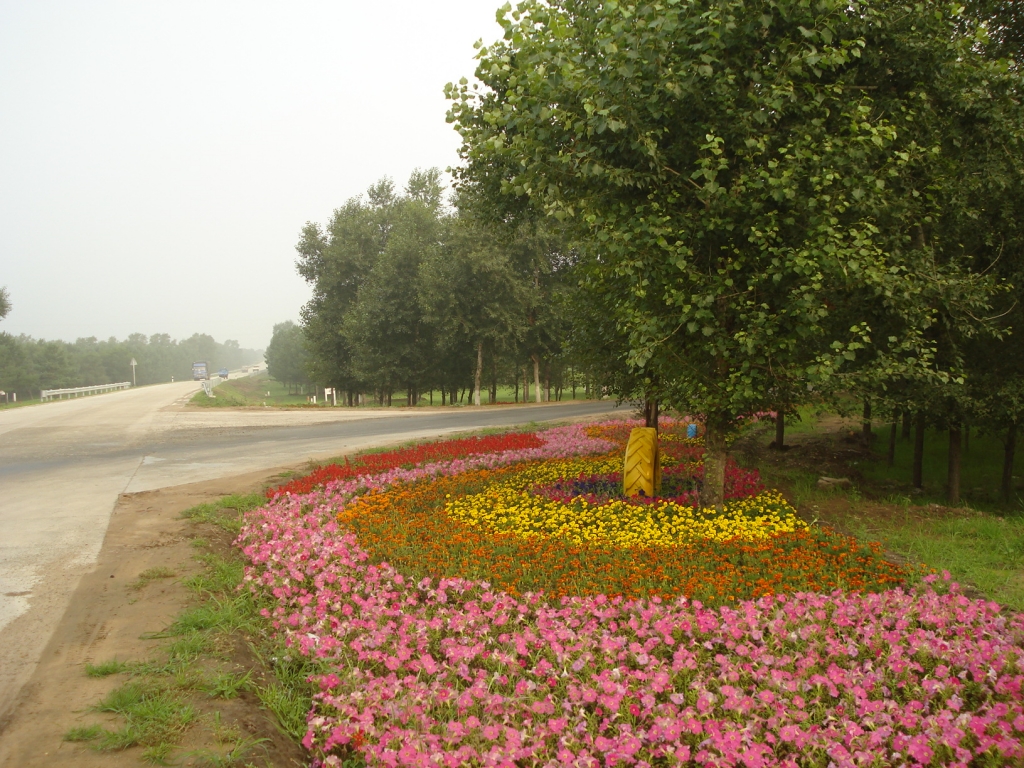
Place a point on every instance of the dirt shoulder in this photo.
(109, 614)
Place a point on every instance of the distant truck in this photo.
(200, 372)
(223, 373)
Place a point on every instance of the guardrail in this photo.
(48, 394)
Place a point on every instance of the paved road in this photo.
(62, 466)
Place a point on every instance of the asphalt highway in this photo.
(63, 465)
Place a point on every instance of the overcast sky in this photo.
(157, 160)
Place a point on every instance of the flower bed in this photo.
(444, 652)
(542, 499)
(374, 463)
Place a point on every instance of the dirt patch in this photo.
(111, 612)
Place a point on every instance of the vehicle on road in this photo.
(223, 373)
(200, 371)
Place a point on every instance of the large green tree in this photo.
(286, 355)
(728, 173)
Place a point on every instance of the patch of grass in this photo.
(289, 705)
(188, 647)
(981, 468)
(106, 668)
(225, 513)
(226, 685)
(151, 574)
(84, 733)
(290, 696)
(251, 391)
(154, 717)
(980, 549)
(22, 403)
(220, 576)
(241, 752)
(219, 612)
(261, 390)
(163, 696)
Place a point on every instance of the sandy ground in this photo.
(106, 620)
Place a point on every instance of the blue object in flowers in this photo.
(691, 430)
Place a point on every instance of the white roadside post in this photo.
(133, 371)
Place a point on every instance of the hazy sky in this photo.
(157, 160)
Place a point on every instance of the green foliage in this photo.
(286, 355)
(227, 685)
(748, 182)
(83, 733)
(28, 365)
(152, 574)
(106, 668)
(153, 716)
(410, 295)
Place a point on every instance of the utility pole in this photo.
(133, 371)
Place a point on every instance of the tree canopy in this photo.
(747, 181)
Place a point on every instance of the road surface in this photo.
(63, 464)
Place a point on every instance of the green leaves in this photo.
(747, 212)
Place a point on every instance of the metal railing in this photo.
(48, 394)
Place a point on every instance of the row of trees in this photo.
(411, 295)
(772, 202)
(28, 365)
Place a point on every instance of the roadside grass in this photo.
(261, 390)
(216, 652)
(22, 403)
(150, 575)
(251, 391)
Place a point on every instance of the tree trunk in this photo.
(893, 429)
(443, 397)
(967, 438)
(547, 384)
(651, 413)
(479, 371)
(918, 470)
(780, 428)
(906, 424)
(493, 395)
(1009, 449)
(712, 490)
(517, 389)
(866, 432)
(953, 465)
(536, 377)
(526, 386)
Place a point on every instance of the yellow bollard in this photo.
(641, 472)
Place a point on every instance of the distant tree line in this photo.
(28, 365)
(412, 296)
